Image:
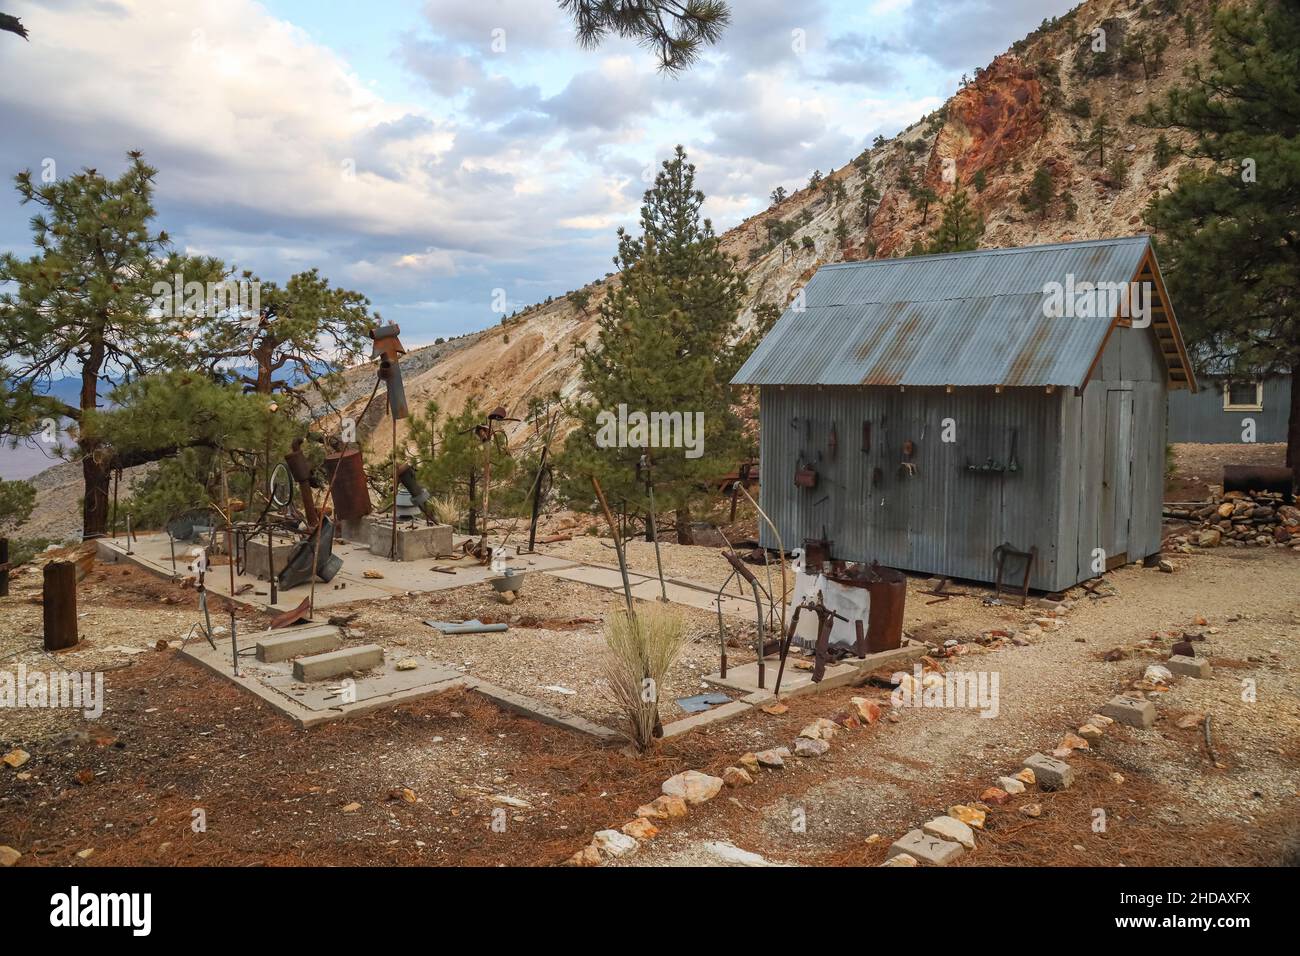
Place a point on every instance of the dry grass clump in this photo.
(641, 649)
(447, 510)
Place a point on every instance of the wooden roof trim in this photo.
(1168, 321)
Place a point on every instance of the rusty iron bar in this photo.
(618, 546)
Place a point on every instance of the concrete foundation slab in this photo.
(796, 681)
(320, 702)
(255, 556)
(712, 716)
(415, 542)
(153, 554)
(349, 660)
(291, 642)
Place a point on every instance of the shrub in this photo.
(641, 648)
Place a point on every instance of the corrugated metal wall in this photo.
(1129, 370)
(1201, 418)
(943, 520)
(1090, 475)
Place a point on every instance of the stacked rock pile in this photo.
(1240, 520)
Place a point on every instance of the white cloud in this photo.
(506, 168)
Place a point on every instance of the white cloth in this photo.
(852, 602)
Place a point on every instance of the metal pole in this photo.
(487, 491)
(654, 525)
(393, 553)
(618, 546)
(230, 562)
(117, 475)
(270, 539)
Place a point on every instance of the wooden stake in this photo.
(60, 605)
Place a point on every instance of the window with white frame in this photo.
(1243, 396)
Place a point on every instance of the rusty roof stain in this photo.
(963, 319)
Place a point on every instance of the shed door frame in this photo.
(1117, 476)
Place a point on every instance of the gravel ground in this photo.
(895, 776)
(173, 733)
(1197, 466)
(556, 639)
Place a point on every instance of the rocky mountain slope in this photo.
(1024, 112)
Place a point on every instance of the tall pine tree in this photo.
(1230, 230)
(667, 342)
(85, 304)
(961, 226)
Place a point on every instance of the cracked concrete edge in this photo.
(287, 706)
(543, 712)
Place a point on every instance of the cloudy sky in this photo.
(429, 152)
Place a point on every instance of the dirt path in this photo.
(891, 777)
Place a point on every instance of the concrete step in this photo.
(334, 663)
(298, 641)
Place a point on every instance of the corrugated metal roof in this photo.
(967, 318)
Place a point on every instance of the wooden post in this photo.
(4, 567)
(60, 600)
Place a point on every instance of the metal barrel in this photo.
(1248, 478)
(888, 590)
(351, 494)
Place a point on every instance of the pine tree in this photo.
(924, 196)
(1230, 230)
(580, 299)
(450, 457)
(667, 343)
(1098, 136)
(870, 197)
(1038, 197)
(961, 226)
(1163, 151)
(304, 330)
(676, 32)
(86, 302)
(17, 498)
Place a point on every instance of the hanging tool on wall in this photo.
(908, 463)
(805, 476)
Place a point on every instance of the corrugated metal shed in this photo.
(964, 319)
